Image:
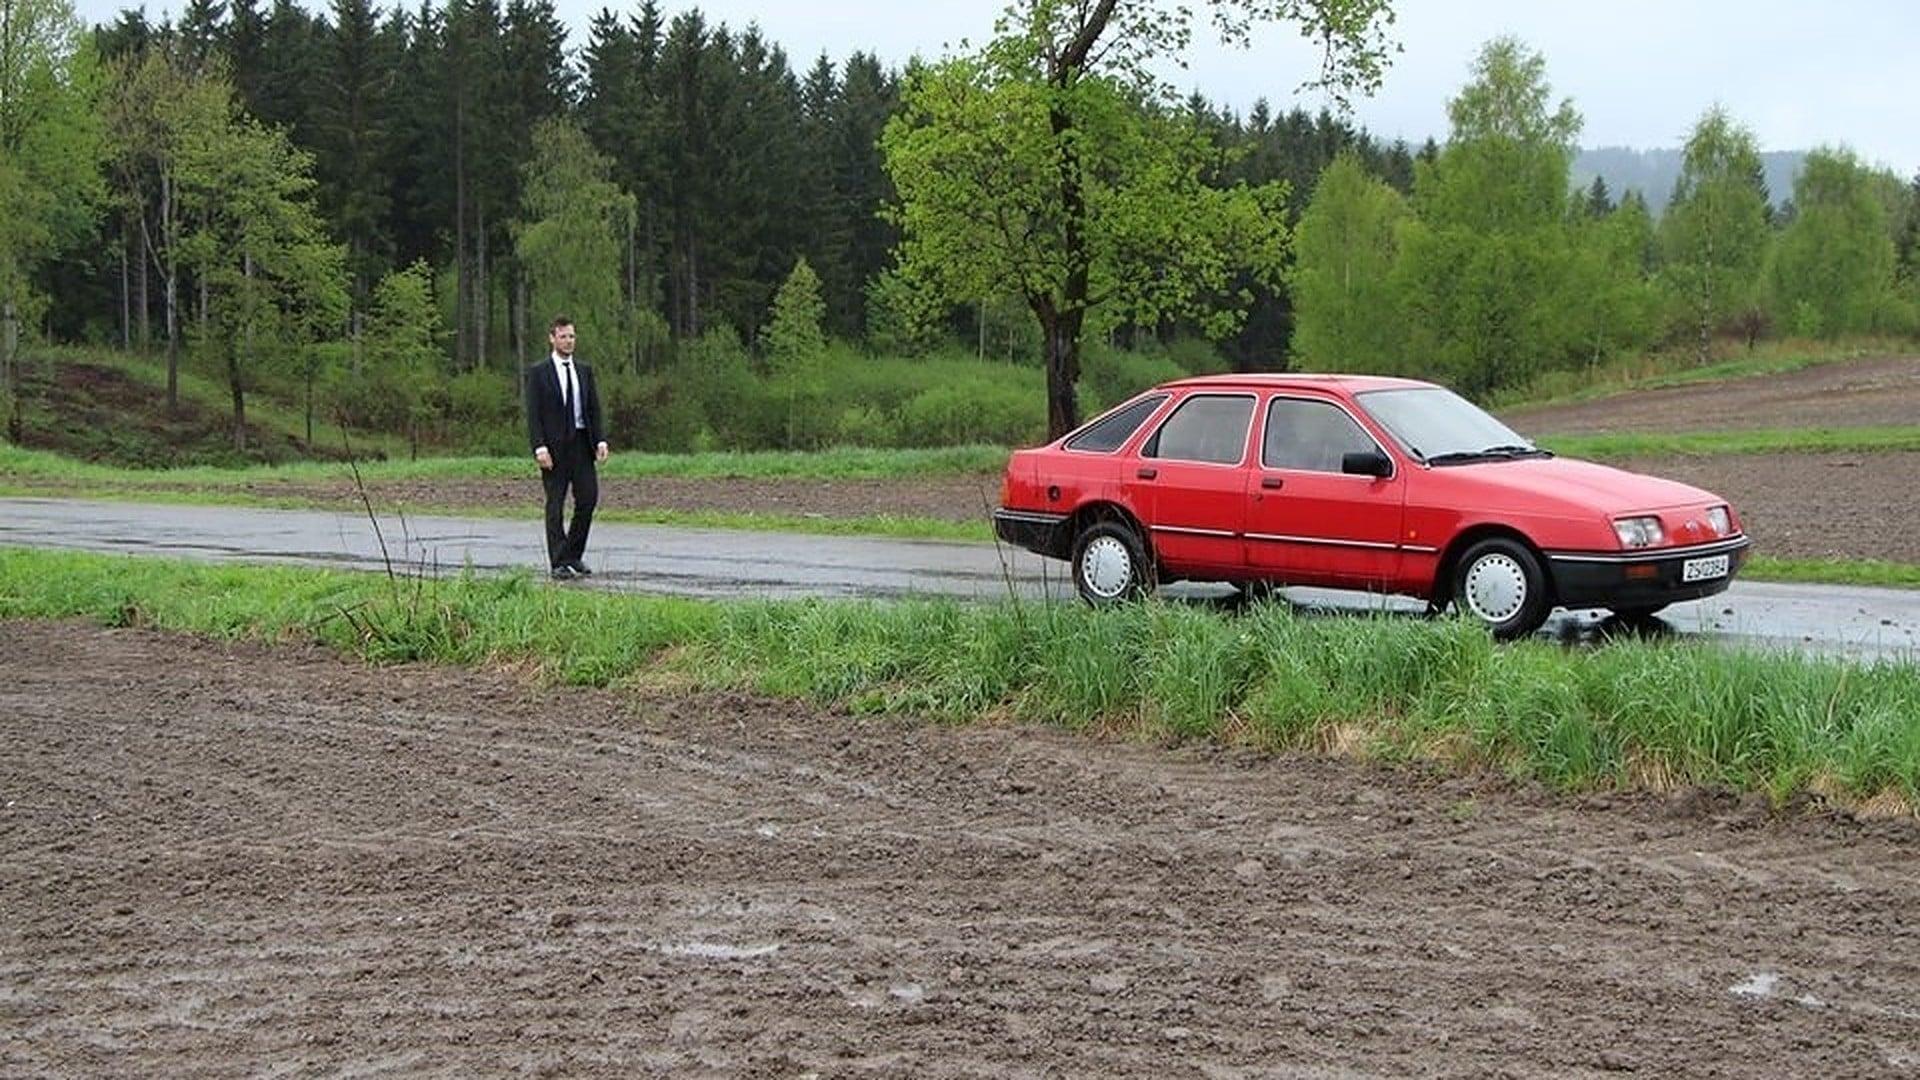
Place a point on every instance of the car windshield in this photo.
(1441, 428)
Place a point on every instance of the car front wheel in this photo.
(1500, 584)
(1110, 564)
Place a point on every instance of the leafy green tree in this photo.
(1611, 304)
(572, 239)
(1038, 167)
(1908, 242)
(1714, 235)
(153, 103)
(400, 381)
(1347, 314)
(794, 337)
(51, 147)
(1833, 271)
(796, 347)
(1487, 266)
(270, 277)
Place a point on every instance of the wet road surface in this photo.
(719, 563)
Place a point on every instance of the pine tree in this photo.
(351, 124)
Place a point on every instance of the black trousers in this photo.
(573, 469)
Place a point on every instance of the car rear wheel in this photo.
(1500, 584)
(1110, 564)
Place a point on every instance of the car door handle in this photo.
(1272, 483)
(1147, 474)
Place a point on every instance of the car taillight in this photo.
(1006, 487)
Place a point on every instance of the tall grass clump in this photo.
(1633, 713)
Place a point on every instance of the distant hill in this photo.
(1653, 172)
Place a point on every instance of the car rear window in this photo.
(1111, 432)
(1310, 435)
(1206, 427)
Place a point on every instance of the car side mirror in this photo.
(1366, 463)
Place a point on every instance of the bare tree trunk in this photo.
(522, 343)
(241, 342)
(483, 289)
(10, 362)
(630, 318)
(144, 304)
(239, 396)
(1062, 336)
(693, 287)
(169, 228)
(463, 285)
(126, 296)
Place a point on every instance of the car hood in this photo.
(1573, 484)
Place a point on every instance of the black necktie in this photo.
(566, 388)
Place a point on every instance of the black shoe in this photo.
(580, 569)
(563, 572)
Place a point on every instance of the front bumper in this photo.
(1632, 579)
(1042, 533)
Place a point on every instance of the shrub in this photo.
(960, 415)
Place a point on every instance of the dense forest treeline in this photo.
(381, 208)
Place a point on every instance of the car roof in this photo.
(1293, 380)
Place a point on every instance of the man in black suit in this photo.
(568, 440)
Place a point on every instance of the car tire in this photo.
(1498, 583)
(1110, 564)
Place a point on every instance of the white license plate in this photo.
(1706, 569)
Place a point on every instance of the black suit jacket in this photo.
(548, 422)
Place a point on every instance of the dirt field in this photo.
(1866, 393)
(229, 860)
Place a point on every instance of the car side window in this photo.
(1310, 435)
(1206, 427)
(1110, 432)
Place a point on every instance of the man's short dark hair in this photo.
(558, 322)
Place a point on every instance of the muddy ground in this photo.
(229, 860)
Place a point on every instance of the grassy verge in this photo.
(1760, 441)
(1878, 572)
(1628, 715)
(841, 464)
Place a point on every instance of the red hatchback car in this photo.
(1359, 482)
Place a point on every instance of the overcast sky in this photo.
(1641, 72)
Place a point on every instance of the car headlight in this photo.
(1721, 520)
(1638, 532)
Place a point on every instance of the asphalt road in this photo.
(718, 562)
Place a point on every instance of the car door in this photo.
(1309, 522)
(1190, 482)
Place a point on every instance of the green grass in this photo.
(1625, 715)
(1877, 572)
(1759, 441)
(840, 464)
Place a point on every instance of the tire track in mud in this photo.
(229, 859)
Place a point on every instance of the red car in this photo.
(1359, 482)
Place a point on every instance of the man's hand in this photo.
(545, 459)
(600, 453)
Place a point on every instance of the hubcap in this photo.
(1106, 567)
(1496, 588)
